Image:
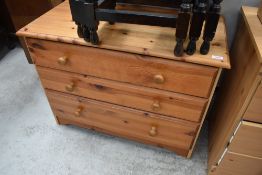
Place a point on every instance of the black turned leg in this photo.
(182, 26)
(112, 6)
(205, 47)
(94, 39)
(83, 32)
(80, 31)
(211, 26)
(196, 25)
(86, 34)
(179, 49)
(83, 13)
(93, 23)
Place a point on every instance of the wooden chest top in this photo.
(254, 28)
(57, 25)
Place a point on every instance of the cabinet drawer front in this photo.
(239, 164)
(159, 130)
(152, 100)
(254, 110)
(248, 140)
(146, 71)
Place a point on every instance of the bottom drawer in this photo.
(170, 133)
(248, 140)
(239, 164)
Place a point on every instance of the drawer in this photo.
(239, 164)
(146, 127)
(176, 76)
(248, 140)
(254, 110)
(148, 99)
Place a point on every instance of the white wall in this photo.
(231, 11)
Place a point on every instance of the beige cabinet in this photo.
(235, 146)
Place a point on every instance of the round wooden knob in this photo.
(78, 111)
(62, 60)
(70, 87)
(153, 131)
(156, 105)
(159, 79)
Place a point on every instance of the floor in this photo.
(31, 143)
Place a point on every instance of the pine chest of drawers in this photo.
(131, 85)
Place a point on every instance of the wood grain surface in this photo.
(239, 164)
(170, 104)
(236, 92)
(248, 140)
(254, 27)
(57, 25)
(141, 70)
(254, 110)
(171, 133)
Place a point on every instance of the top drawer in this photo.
(254, 110)
(147, 71)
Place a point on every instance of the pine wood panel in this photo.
(171, 133)
(124, 67)
(254, 110)
(248, 140)
(235, 93)
(238, 164)
(57, 25)
(171, 104)
(254, 27)
(206, 111)
(238, 90)
(259, 13)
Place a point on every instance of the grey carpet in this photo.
(31, 143)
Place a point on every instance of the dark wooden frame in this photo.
(88, 13)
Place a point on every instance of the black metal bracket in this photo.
(88, 13)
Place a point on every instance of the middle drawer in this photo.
(153, 100)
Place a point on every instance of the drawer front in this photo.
(254, 110)
(248, 140)
(238, 164)
(176, 76)
(148, 99)
(159, 130)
